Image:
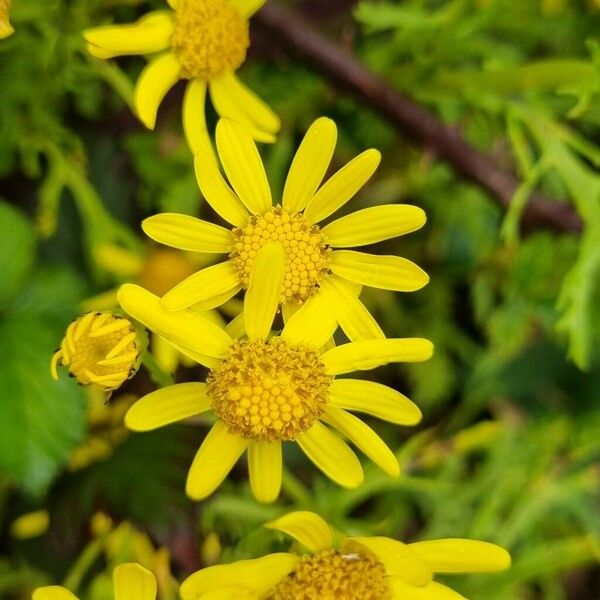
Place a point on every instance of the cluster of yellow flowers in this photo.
(267, 383)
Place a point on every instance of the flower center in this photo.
(307, 254)
(331, 575)
(164, 269)
(269, 390)
(210, 38)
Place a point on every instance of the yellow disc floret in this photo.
(101, 348)
(210, 38)
(307, 254)
(331, 575)
(269, 390)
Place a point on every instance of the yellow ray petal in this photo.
(202, 359)
(53, 592)
(432, 591)
(194, 119)
(362, 356)
(264, 290)
(374, 399)
(342, 186)
(236, 328)
(217, 300)
(203, 285)
(248, 7)
(167, 405)
(151, 33)
(133, 582)
(310, 164)
(307, 528)
(217, 455)
(364, 438)
(184, 328)
(385, 272)
(461, 556)
(312, 324)
(187, 233)
(265, 469)
(352, 315)
(331, 455)
(173, 3)
(157, 78)
(243, 166)
(374, 224)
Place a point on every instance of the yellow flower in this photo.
(131, 582)
(359, 568)
(268, 390)
(30, 525)
(202, 41)
(100, 348)
(318, 277)
(6, 28)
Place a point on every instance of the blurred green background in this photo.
(510, 443)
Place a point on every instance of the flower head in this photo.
(319, 274)
(203, 42)
(268, 389)
(358, 568)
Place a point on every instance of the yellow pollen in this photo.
(164, 269)
(307, 254)
(210, 38)
(331, 575)
(269, 390)
(101, 348)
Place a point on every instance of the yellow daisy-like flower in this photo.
(358, 568)
(266, 390)
(131, 582)
(202, 41)
(318, 275)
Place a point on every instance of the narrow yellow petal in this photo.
(374, 399)
(210, 362)
(133, 582)
(362, 356)
(248, 7)
(30, 525)
(312, 324)
(364, 438)
(149, 34)
(265, 469)
(307, 528)
(264, 290)
(217, 193)
(157, 78)
(167, 405)
(188, 233)
(53, 592)
(352, 315)
(217, 455)
(243, 166)
(432, 591)
(184, 328)
(461, 556)
(173, 3)
(194, 119)
(203, 285)
(216, 300)
(310, 164)
(331, 455)
(385, 272)
(342, 186)
(236, 328)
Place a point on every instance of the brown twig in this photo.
(340, 67)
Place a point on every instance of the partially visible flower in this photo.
(6, 29)
(30, 525)
(203, 42)
(100, 348)
(358, 568)
(131, 582)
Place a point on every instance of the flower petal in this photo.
(342, 186)
(157, 78)
(151, 33)
(364, 438)
(368, 354)
(312, 324)
(432, 591)
(217, 455)
(167, 405)
(210, 362)
(243, 166)
(194, 119)
(184, 328)
(133, 582)
(53, 592)
(203, 285)
(248, 7)
(265, 468)
(374, 399)
(217, 300)
(384, 272)
(374, 224)
(310, 164)
(264, 290)
(331, 455)
(307, 528)
(461, 556)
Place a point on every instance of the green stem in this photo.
(83, 564)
